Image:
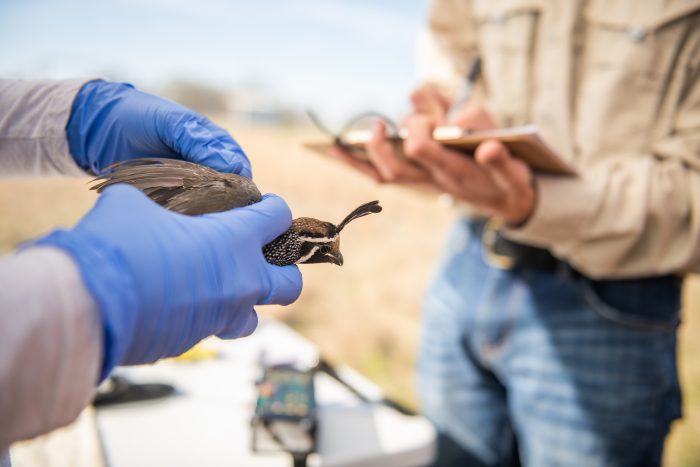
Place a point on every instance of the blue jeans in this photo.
(573, 372)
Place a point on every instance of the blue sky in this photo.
(338, 56)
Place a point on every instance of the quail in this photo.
(193, 189)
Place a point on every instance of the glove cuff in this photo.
(91, 105)
(107, 277)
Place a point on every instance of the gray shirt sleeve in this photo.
(50, 328)
(51, 337)
(33, 119)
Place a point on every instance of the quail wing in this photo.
(182, 186)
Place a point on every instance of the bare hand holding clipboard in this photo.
(523, 142)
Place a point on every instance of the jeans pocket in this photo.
(651, 304)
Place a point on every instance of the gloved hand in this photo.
(111, 122)
(164, 281)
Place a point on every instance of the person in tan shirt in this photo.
(550, 329)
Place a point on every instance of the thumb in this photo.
(268, 218)
(495, 158)
(285, 285)
(240, 329)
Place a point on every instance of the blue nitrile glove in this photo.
(164, 281)
(111, 122)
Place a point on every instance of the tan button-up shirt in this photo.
(614, 86)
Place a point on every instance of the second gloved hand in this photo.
(164, 281)
(112, 122)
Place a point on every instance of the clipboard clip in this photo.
(339, 138)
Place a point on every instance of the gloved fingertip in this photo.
(287, 283)
(276, 202)
(246, 171)
(241, 329)
(242, 167)
(236, 163)
(251, 325)
(203, 142)
(276, 205)
(277, 213)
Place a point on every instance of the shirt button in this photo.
(636, 33)
(498, 18)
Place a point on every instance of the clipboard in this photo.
(523, 142)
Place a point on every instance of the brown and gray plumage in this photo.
(193, 189)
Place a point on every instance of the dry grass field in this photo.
(367, 312)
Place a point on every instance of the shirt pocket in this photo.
(629, 51)
(506, 32)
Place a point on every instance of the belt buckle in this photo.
(488, 246)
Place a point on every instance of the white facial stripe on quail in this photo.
(309, 255)
(318, 239)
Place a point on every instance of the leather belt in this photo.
(503, 253)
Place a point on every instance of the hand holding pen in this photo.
(386, 164)
(465, 114)
(492, 180)
(452, 116)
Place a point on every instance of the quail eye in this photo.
(325, 249)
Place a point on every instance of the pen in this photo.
(465, 92)
(447, 132)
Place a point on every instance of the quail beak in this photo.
(336, 258)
